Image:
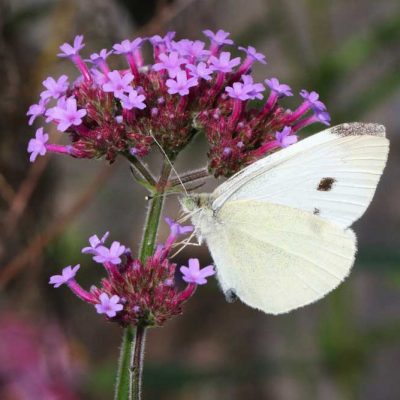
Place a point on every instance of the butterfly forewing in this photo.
(332, 174)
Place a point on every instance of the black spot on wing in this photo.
(230, 296)
(326, 184)
(316, 211)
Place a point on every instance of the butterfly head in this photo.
(195, 201)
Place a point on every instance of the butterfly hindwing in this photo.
(276, 258)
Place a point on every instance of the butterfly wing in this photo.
(277, 258)
(333, 174)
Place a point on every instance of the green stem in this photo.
(137, 363)
(128, 385)
(123, 377)
(153, 216)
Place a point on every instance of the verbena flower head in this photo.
(189, 87)
(134, 292)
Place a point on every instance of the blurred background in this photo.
(53, 346)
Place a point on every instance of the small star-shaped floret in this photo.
(224, 63)
(109, 255)
(181, 85)
(37, 145)
(284, 138)
(193, 273)
(55, 88)
(109, 305)
(68, 50)
(133, 100)
(219, 38)
(279, 88)
(118, 84)
(67, 274)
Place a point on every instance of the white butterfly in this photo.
(278, 230)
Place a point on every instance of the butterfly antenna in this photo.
(170, 163)
(186, 243)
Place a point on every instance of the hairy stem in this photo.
(154, 213)
(123, 377)
(137, 363)
(129, 379)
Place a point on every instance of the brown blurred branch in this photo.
(20, 199)
(23, 195)
(58, 225)
(6, 190)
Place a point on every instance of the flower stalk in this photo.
(129, 379)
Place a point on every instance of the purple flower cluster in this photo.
(190, 87)
(134, 292)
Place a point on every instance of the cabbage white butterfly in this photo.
(278, 230)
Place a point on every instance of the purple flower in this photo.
(37, 145)
(193, 273)
(157, 40)
(66, 113)
(219, 38)
(170, 62)
(169, 282)
(279, 88)
(109, 255)
(109, 305)
(35, 110)
(227, 151)
(239, 91)
(99, 57)
(182, 84)
(224, 62)
(55, 88)
(133, 100)
(192, 49)
(99, 78)
(252, 53)
(118, 84)
(284, 137)
(67, 274)
(323, 117)
(312, 99)
(127, 47)
(68, 50)
(201, 70)
(95, 242)
(256, 88)
(177, 229)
